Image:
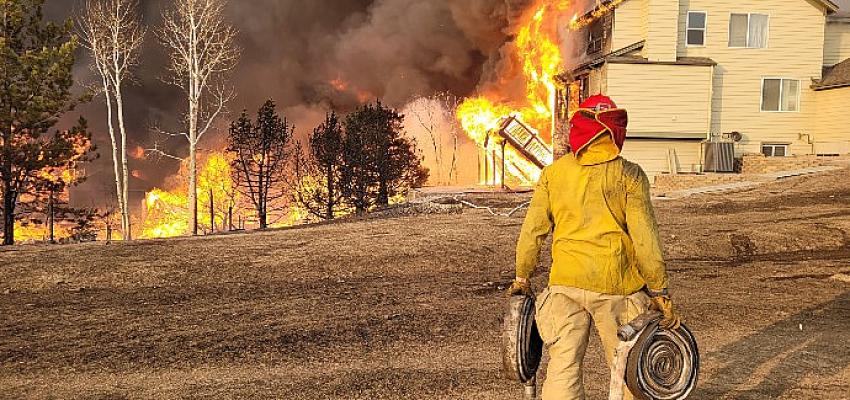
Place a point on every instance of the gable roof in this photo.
(829, 5)
(834, 77)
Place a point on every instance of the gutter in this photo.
(828, 87)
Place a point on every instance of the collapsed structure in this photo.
(522, 140)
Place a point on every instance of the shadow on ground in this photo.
(777, 359)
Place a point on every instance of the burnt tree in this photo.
(319, 173)
(262, 153)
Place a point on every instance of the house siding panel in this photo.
(630, 24)
(663, 99)
(795, 33)
(837, 43)
(654, 155)
(832, 134)
(663, 23)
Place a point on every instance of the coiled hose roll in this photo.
(522, 347)
(663, 364)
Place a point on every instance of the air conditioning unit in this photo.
(719, 156)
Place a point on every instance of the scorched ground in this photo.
(409, 308)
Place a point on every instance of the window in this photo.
(596, 37)
(696, 28)
(584, 81)
(774, 150)
(749, 30)
(780, 95)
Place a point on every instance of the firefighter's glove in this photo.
(520, 288)
(671, 320)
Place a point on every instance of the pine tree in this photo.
(263, 153)
(398, 164)
(380, 162)
(36, 65)
(358, 179)
(318, 175)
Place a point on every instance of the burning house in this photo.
(691, 74)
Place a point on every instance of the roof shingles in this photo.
(835, 77)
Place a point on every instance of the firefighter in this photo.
(607, 265)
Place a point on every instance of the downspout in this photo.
(711, 72)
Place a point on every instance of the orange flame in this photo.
(137, 153)
(166, 213)
(538, 53)
(601, 10)
(341, 85)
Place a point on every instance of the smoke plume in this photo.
(311, 56)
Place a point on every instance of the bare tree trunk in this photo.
(112, 32)
(125, 173)
(212, 212)
(51, 216)
(193, 190)
(383, 192)
(9, 201)
(108, 227)
(202, 49)
(331, 203)
(230, 218)
(116, 160)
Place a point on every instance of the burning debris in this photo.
(600, 11)
(526, 141)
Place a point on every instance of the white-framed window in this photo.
(696, 28)
(749, 30)
(775, 149)
(780, 95)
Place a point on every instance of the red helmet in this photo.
(596, 116)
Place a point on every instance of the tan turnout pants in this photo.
(564, 316)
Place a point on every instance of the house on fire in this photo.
(772, 76)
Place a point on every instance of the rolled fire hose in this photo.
(662, 364)
(522, 347)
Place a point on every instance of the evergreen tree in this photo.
(318, 176)
(358, 179)
(36, 64)
(263, 151)
(380, 162)
(398, 164)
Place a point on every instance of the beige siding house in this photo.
(691, 71)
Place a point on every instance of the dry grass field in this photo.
(409, 308)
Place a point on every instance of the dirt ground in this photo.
(410, 308)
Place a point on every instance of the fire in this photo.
(538, 53)
(580, 22)
(138, 153)
(166, 212)
(339, 84)
(342, 86)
